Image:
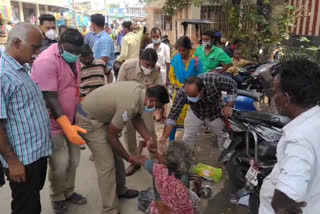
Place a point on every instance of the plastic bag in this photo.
(208, 172)
(145, 199)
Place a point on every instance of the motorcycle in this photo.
(257, 85)
(251, 154)
(165, 39)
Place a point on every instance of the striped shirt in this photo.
(22, 106)
(92, 76)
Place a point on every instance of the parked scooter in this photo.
(251, 155)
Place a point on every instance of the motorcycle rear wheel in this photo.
(238, 167)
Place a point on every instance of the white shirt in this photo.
(297, 172)
(163, 58)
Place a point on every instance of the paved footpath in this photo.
(86, 184)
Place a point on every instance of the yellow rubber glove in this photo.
(71, 131)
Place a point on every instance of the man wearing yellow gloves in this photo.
(57, 72)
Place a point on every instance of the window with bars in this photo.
(216, 14)
(162, 21)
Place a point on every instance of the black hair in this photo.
(150, 55)
(159, 92)
(155, 30)
(209, 33)
(144, 29)
(98, 19)
(112, 26)
(72, 36)
(236, 41)
(127, 24)
(185, 42)
(86, 50)
(195, 80)
(215, 35)
(10, 22)
(300, 79)
(46, 17)
(62, 27)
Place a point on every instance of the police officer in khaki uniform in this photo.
(144, 71)
(104, 113)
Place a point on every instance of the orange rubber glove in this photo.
(71, 131)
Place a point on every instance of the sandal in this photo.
(59, 207)
(130, 193)
(76, 198)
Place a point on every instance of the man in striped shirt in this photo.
(24, 122)
(92, 72)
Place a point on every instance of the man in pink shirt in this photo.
(57, 72)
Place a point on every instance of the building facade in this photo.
(171, 25)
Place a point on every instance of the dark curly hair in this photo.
(300, 79)
(72, 36)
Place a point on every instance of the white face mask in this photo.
(50, 34)
(156, 41)
(206, 44)
(145, 70)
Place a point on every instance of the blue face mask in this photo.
(149, 110)
(69, 57)
(193, 99)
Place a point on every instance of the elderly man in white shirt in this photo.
(293, 186)
(163, 62)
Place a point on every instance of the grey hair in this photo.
(178, 158)
(20, 31)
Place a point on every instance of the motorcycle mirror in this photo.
(261, 51)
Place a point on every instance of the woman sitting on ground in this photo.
(170, 184)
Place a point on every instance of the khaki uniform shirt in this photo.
(131, 71)
(115, 103)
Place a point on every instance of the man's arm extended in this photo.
(140, 126)
(112, 138)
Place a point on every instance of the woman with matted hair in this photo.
(171, 194)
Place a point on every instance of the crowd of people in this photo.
(72, 96)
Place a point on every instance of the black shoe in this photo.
(76, 198)
(130, 193)
(59, 207)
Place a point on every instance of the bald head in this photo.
(23, 31)
(24, 40)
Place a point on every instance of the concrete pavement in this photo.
(86, 184)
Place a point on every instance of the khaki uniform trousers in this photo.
(63, 165)
(110, 167)
(130, 137)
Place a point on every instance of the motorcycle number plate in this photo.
(251, 175)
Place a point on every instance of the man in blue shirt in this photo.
(103, 47)
(25, 140)
(89, 39)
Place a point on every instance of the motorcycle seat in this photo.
(276, 120)
(252, 94)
